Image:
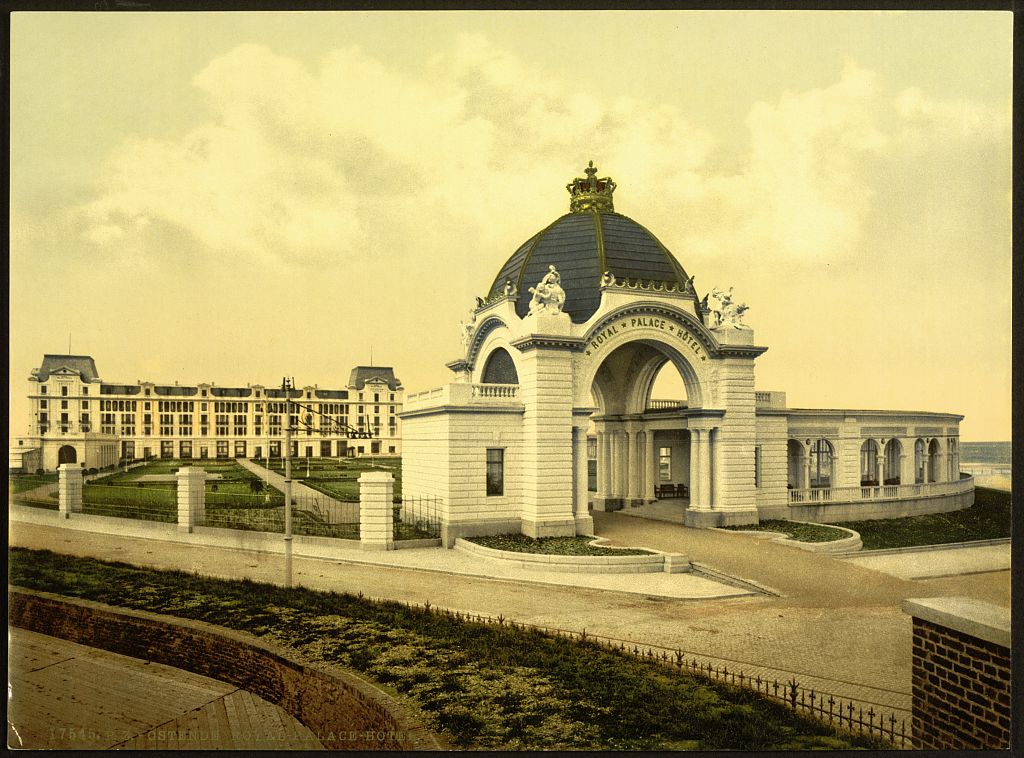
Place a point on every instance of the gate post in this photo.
(376, 511)
(69, 488)
(191, 497)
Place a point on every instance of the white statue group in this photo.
(723, 311)
(548, 295)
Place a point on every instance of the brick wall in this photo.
(345, 712)
(960, 681)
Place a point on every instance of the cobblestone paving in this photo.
(838, 627)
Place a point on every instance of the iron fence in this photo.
(843, 714)
(417, 517)
(312, 514)
(146, 503)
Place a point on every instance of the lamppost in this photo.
(286, 385)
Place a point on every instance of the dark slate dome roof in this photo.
(582, 245)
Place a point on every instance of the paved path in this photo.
(334, 511)
(72, 697)
(937, 562)
(838, 627)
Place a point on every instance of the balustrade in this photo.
(876, 492)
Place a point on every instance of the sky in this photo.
(238, 197)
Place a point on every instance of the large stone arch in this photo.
(666, 335)
(67, 454)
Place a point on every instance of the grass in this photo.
(989, 518)
(24, 482)
(482, 686)
(795, 530)
(520, 543)
(337, 477)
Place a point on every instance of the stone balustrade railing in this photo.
(820, 495)
(464, 394)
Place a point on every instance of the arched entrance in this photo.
(644, 445)
(67, 454)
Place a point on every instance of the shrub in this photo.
(40, 472)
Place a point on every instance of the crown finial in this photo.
(591, 193)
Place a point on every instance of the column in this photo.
(602, 470)
(633, 467)
(652, 466)
(376, 511)
(69, 489)
(807, 468)
(926, 459)
(699, 479)
(581, 513)
(191, 497)
(626, 459)
(712, 467)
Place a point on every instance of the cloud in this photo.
(356, 156)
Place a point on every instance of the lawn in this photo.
(795, 530)
(337, 477)
(484, 686)
(520, 543)
(22, 482)
(989, 518)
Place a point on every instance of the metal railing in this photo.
(417, 517)
(312, 515)
(815, 495)
(842, 714)
(145, 503)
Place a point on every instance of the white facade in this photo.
(78, 418)
(533, 386)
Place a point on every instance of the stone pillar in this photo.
(191, 497)
(926, 474)
(698, 469)
(604, 469)
(581, 513)
(633, 467)
(713, 467)
(69, 489)
(652, 467)
(376, 510)
(907, 464)
(807, 468)
(616, 489)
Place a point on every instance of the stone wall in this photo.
(344, 711)
(960, 674)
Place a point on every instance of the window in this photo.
(85, 390)
(42, 390)
(85, 404)
(869, 464)
(63, 405)
(391, 448)
(240, 449)
(166, 424)
(147, 391)
(240, 423)
(166, 449)
(42, 404)
(495, 471)
(128, 424)
(375, 448)
(185, 450)
(665, 464)
(275, 448)
(222, 448)
(274, 422)
(757, 465)
(64, 390)
(185, 425)
(107, 423)
(221, 421)
(85, 422)
(821, 463)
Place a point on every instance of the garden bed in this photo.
(989, 518)
(520, 543)
(484, 686)
(795, 530)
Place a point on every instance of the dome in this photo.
(589, 240)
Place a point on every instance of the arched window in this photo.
(500, 369)
(934, 462)
(822, 455)
(893, 456)
(919, 461)
(795, 465)
(869, 464)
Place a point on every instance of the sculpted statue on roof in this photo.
(548, 295)
(723, 312)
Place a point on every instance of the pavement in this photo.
(932, 562)
(68, 696)
(835, 626)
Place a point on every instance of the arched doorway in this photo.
(869, 473)
(795, 465)
(934, 461)
(67, 454)
(644, 448)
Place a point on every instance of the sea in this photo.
(989, 462)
